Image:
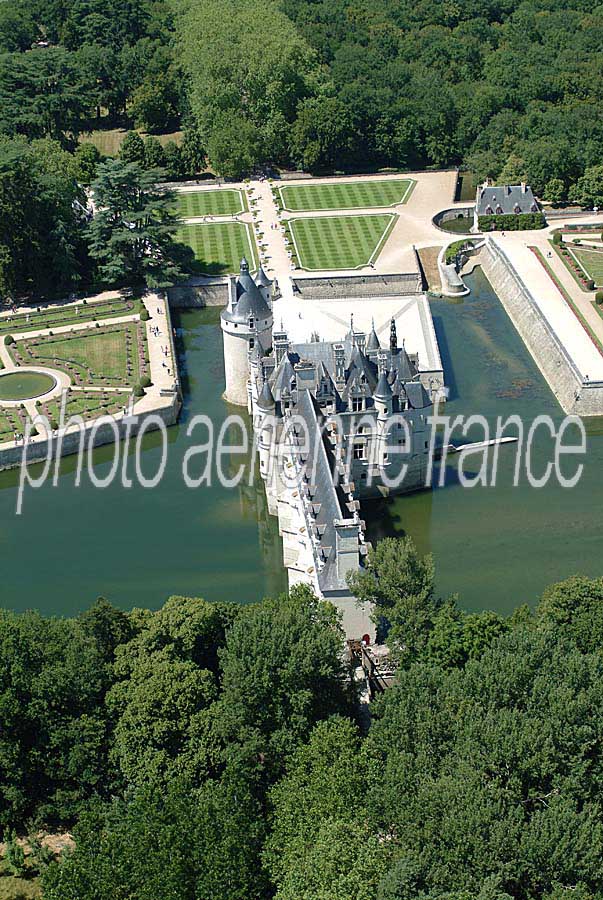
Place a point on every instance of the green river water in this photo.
(496, 546)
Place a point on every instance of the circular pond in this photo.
(16, 386)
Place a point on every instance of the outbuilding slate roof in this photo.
(505, 199)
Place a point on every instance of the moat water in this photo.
(496, 547)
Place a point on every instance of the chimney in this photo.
(339, 351)
(281, 345)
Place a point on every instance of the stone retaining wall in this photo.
(575, 395)
(358, 286)
(11, 456)
(198, 295)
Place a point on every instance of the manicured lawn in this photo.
(221, 202)
(109, 356)
(346, 194)
(218, 247)
(340, 242)
(68, 314)
(592, 263)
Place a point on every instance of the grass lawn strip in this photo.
(345, 195)
(218, 247)
(579, 281)
(221, 202)
(591, 262)
(68, 314)
(113, 355)
(568, 299)
(340, 242)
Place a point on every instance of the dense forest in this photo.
(507, 88)
(215, 751)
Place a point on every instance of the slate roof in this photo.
(362, 376)
(248, 301)
(505, 199)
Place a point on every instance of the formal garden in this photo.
(365, 194)
(339, 242)
(113, 355)
(55, 315)
(221, 202)
(220, 246)
(582, 254)
(13, 420)
(87, 404)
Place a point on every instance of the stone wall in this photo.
(358, 286)
(447, 215)
(194, 295)
(69, 443)
(574, 394)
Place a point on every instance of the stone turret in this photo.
(246, 328)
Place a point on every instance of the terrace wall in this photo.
(199, 294)
(358, 286)
(43, 448)
(575, 395)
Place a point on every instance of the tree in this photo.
(401, 585)
(42, 246)
(87, 159)
(173, 160)
(282, 671)
(132, 232)
(132, 148)
(486, 772)
(14, 854)
(44, 93)
(233, 146)
(251, 85)
(575, 606)
(588, 191)
(192, 152)
(153, 104)
(178, 845)
(554, 191)
(53, 725)
(154, 157)
(323, 135)
(316, 830)
(17, 27)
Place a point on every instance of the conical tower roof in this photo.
(383, 391)
(262, 279)
(373, 341)
(249, 299)
(266, 398)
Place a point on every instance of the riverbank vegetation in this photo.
(215, 751)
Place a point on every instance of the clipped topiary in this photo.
(139, 391)
(145, 381)
(9, 339)
(599, 298)
(144, 314)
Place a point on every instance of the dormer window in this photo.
(357, 404)
(499, 210)
(517, 209)
(489, 210)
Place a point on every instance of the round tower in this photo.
(246, 326)
(265, 425)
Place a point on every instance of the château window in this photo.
(359, 451)
(357, 404)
